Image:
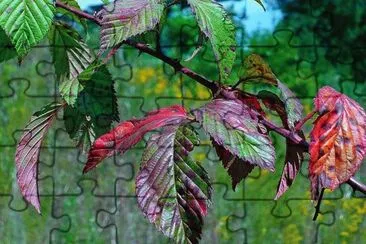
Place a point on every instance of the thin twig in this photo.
(112, 52)
(77, 12)
(317, 207)
(304, 120)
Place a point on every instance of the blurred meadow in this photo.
(308, 44)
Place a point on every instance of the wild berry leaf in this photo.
(278, 98)
(129, 133)
(249, 100)
(70, 54)
(338, 140)
(95, 108)
(71, 57)
(7, 49)
(254, 68)
(293, 161)
(172, 190)
(237, 168)
(26, 22)
(127, 18)
(216, 24)
(232, 125)
(28, 149)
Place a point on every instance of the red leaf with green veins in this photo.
(338, 140)
(232, 125)
(237, 169)
(27, 153)
(129, 133)
(172, 190)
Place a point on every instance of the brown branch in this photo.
(78, 12)
(214, 87)
(178, 67)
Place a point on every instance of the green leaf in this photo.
(233, 126)
(172, 190)
(127, 18)
(26, 22)
(216, 24)
(95, 108)
(7, 49)
(71, 57)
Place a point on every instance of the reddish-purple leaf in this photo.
(27, 152)
(293, 161)
(338, 140)
(129, 133)
(172, 190)
(237, 169)
(232, 125)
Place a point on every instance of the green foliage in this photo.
(95, 108)
(26, 22)
(71, 57)
(216, 24)
(7, 49)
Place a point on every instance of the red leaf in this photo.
(234, 126)
(27, 153)
(129, 133)
(172, 190)
(338, 140)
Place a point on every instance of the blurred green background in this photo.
(308, 44)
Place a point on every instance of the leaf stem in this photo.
(304, 120)
(317, 207)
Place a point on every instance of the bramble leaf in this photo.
(254, 68)
(232, 125)
(259, 79)
(26, 22)
(128, 133)
(7, 49)
(172, 190)
(71, 57)
(95, 108)
(237, 168)
(338, 140)
(293, 161)
(216, 24)
(70, 54)
(127, 18)
(28, 149)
